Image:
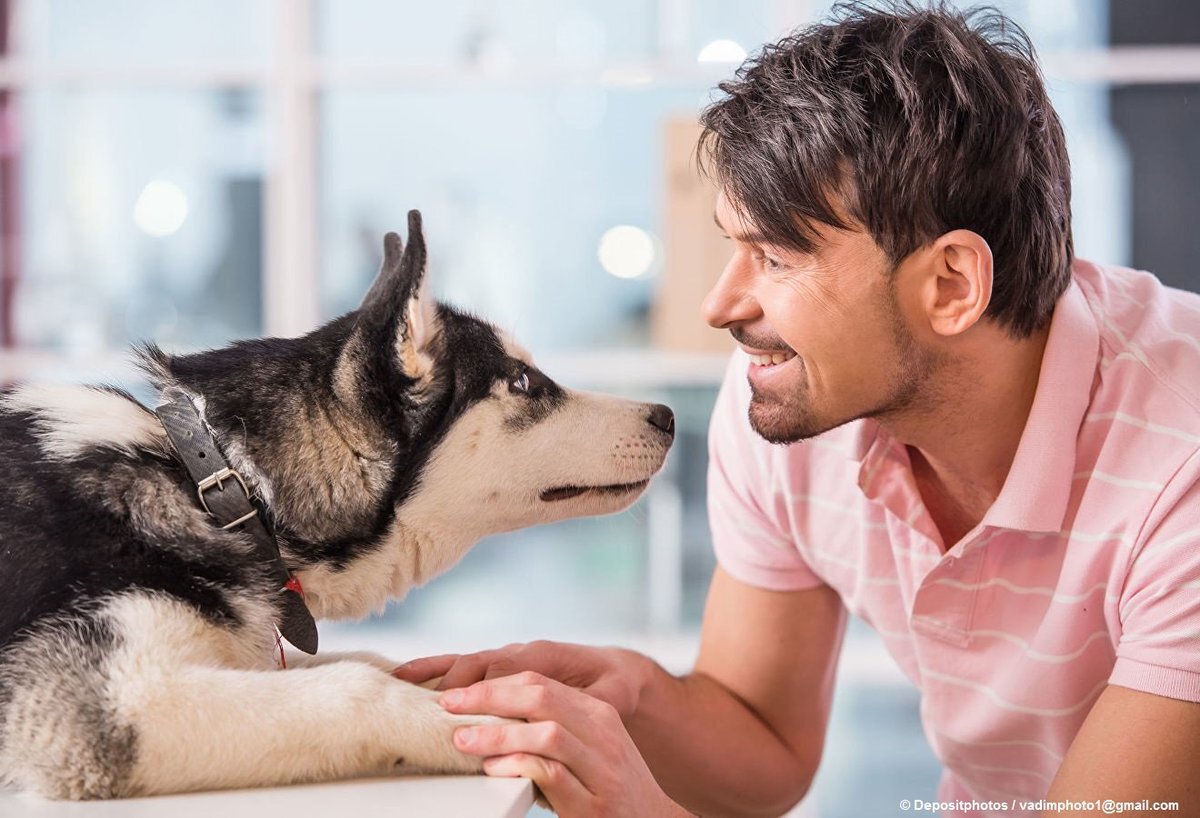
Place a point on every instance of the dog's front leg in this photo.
(205, 728)
(297, 659)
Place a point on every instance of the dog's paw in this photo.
(424, 734)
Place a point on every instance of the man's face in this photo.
(827, 333)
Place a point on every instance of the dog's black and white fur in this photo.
(137, 640)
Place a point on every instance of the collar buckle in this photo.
(217, 479)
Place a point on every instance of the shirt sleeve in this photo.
(1159, 649)
(750, 545)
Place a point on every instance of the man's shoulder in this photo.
(1142, 427)
(1149, 340)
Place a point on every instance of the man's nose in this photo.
(730, 301)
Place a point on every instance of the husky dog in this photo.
(138, 645)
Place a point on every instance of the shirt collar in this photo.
(1038, 487)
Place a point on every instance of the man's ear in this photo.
(958, 287)
(396, 316)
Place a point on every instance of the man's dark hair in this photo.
(912, 122)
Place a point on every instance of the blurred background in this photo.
(197, 171)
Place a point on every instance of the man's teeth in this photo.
(772, 359)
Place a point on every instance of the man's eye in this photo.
(520, 383)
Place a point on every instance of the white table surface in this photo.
(402, 797)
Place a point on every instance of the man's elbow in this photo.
(793, 780)
(778, 806)
(768, 804)
(776, 793)
(787, 797)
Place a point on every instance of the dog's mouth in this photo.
(567, 492)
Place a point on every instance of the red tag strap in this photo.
(293, 584)
(279, 647)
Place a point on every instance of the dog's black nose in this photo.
(661, 417)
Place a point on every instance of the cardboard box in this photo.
(694, 251)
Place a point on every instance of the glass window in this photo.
(518, 187)
(489, 37)
(181, 32)
(706, 22)
(141, 219)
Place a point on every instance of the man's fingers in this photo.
(547, 739)
(467, 670)
(576, 778)
(459, 670)
(424, 669)
(530, 696)
(567, 796)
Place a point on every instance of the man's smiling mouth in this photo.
(771, 358)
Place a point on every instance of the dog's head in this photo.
(410, 424)
(508, 447)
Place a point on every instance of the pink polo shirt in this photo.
(1084, 572)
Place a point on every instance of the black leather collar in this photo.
(198, 449)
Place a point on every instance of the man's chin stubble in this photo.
(782, 424)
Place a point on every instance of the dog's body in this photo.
(138, 650)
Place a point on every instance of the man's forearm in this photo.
(710, 752)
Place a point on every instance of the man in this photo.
(991, 454)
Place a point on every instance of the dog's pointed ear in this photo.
(393, 251)
(396, 314)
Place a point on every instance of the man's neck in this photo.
(963, 440)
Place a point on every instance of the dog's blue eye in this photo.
(521, 384)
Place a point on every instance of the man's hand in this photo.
(574, 746)
(740, 735)
(612, 675)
